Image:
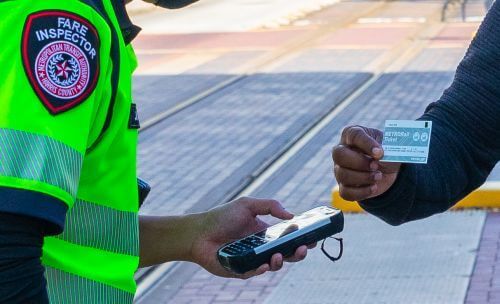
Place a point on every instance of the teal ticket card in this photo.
(407, 141)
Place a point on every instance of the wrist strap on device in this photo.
(333, 259)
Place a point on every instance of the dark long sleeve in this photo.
(465, 142)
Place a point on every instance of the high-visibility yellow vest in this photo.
(68, 130)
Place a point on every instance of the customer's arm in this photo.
(465, 143)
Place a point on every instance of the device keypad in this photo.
(244, 245)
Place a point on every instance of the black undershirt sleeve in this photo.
(35, 204)
(22, 277)
(465, 142)
(26, 217)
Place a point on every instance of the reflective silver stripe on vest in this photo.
(92, 225)
(40, 158)
(64, 287)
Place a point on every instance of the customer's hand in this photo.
(231, 222)
(357, 168)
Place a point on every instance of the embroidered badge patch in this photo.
(61, 57)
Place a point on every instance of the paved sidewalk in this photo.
(422, 262)
(484, 286)
(213, 146)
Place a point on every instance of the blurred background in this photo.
(247, 97)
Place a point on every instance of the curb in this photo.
(485, 197)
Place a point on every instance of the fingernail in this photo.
(377, 176)
(373, 165)
(373, 188)
(377, 151)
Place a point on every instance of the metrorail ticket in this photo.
(406, 141)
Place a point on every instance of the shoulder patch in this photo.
(61, 58)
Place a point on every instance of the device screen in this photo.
(298, 222)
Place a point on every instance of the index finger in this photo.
(268, 206)
(357, 137)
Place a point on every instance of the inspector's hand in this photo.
(357, 166)
(197, 237)
(233, 221)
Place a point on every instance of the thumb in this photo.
(268, 206)
(364, 139)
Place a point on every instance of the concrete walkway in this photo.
(422, 262)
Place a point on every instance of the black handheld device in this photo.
(285, 237)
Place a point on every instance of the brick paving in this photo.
(458, 35)
(156, 89)
(234, 41)
(305, 176)
(221, 291)
(227, 63)
(157, 93)
(484, 285)
(410, 9)
(331, 60)
(424, 262)
(364, 36)
(215, 144)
